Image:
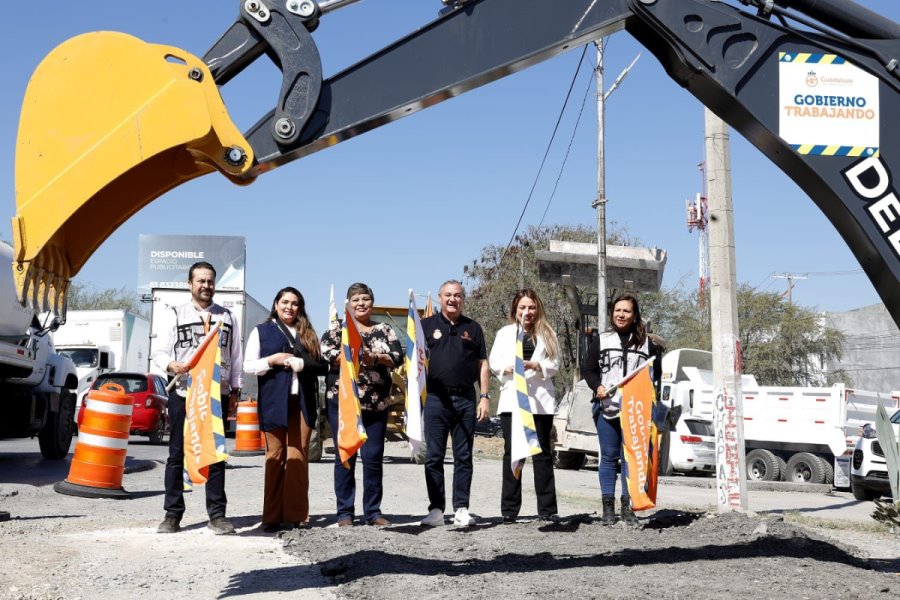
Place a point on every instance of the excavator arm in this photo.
(757, 70)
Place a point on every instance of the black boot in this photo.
(609, 510)
(628, 516)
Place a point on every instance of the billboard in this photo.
(164, 260)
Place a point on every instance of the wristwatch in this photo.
(485, 396)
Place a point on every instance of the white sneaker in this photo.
(434, 518)
(463, 518)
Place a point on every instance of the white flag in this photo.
(416, 372)
(332, 309)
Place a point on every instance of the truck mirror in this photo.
(104, 360)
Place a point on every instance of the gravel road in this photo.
(60, 546)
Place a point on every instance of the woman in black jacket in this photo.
(284, 354)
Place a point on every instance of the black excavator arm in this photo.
(730, 59)
(741, 61)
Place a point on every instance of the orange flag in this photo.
(351, 432)
(638, 431)
(204, 431)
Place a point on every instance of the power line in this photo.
(546, 153)
(569, 147)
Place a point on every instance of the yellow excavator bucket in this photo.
(108, 123)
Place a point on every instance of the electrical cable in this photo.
(546, 153)
(569, 147)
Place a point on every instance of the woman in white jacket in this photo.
(541, 361)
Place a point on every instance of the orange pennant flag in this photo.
(351, 432)
(638, 431)
(204, 431)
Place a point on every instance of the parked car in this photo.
(692, 448)
(149, 416)
(868, 469)
(489, 428)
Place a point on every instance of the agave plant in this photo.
(888, 512)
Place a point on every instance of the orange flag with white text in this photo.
(204, 430)
(639, 435)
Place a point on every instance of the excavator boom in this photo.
(753, 69)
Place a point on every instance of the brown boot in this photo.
(609, 510)
(628, 516)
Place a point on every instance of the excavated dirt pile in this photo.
(672, 555)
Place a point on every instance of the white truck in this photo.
(246, 310)
(799, 434)
(37, 385)
(102, 341)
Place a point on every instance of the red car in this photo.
(149, 416)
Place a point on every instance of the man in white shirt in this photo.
(181, 331)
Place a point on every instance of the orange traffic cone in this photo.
(248, 440)
(99, 459)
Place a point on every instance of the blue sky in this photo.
(408, 204)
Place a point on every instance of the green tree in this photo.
(781, 343)
(786, 344)
(491, 284)
(86, 297)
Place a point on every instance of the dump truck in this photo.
(37, 384)
(799, 434)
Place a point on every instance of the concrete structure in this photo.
(871, 349)
(627, 267)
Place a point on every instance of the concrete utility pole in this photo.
(731, 474)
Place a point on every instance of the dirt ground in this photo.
(66, 547)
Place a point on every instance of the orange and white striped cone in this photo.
(99, 460)
(247, 436)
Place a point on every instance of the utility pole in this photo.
(731, 478)
(600, 202)
(790, 284)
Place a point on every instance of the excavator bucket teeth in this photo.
(108, 124)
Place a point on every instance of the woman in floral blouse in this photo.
(380, 352)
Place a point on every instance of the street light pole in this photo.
(600, 202)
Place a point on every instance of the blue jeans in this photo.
(453, 416)
(372, 453)
(610, 434)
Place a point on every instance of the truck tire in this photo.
(782, 467)
(862, 494)
(804, 467)
(56, 436)
(763, 465)
(827, 469)
(568, 460)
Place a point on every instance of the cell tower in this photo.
(698, 218)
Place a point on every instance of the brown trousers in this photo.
(286, 492)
